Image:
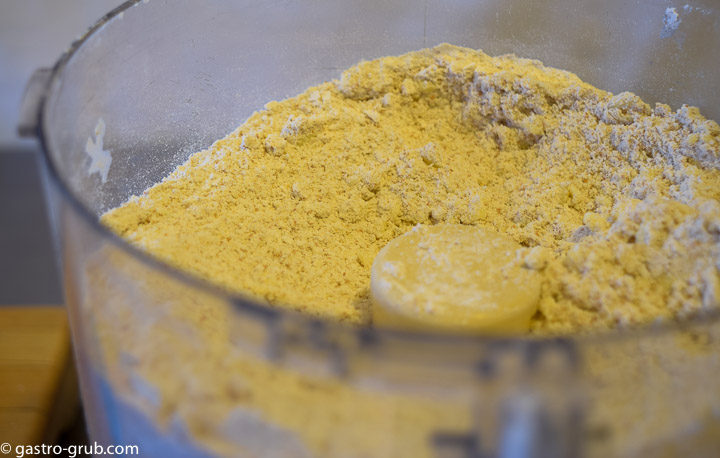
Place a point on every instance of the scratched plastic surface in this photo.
(168, 78)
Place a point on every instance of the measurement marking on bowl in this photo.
(101, 158)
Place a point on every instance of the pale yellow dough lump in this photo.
(615, 202)
(453, 277)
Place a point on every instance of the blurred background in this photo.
(39, 400)
(33, 34)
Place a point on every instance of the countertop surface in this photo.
(38, 389)
(34, 365)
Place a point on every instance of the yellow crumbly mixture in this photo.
(615, 201)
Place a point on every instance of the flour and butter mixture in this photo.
(614, 202)
(604, 210)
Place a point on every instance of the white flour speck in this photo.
(671, 21)
(100, 158)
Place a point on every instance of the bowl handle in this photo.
(32, 100)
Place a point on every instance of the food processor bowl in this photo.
(180, 367)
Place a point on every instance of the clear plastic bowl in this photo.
(236, 378)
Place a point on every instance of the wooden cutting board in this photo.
(34, 359)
